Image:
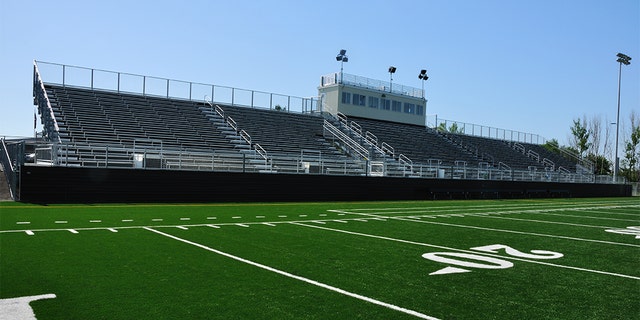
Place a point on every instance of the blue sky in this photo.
(531, 66)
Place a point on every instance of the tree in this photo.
(632, 151)
(602, 165)
(453, 128)
(580, 136)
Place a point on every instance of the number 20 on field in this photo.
(457, 261)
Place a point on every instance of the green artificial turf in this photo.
(362, 260)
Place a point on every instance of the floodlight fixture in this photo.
(423, 76)
(626, 60)
(623, 59)
(342, 57)
(392, 70)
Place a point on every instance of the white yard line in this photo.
(296, 277)
(516, 232)
(460, 250)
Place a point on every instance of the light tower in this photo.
(342, 57)
(423, 76)
(622, 59)
(392, 70)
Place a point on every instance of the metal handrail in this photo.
(353, 145)
(40, 84)
(232, 123)
(388, 149)
(170, 88)
(245, 136)
(261, 151)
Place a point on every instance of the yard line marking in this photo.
(29, 232)
(282, 216)
(236, 217)
(95, 221)
(23, 222)
(303, 215)
(61, 222)
(296, 277)
(242, 225)
(260, 217)
(341, 221)
(211, 218)
(269, 224)
(112, 230)
(465, 251)
(323, 214)
(319, 222)
(182, 227)
(157, 220)
(505, 230)
(185, 219)
(550, 222)
(73, 231)
(127, 220)
(212, 226)
(587, 217)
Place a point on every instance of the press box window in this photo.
(374, 102)
(409, 108)
(419, 110)
(385, 104)
(396, 106)
(359, 100)
(346, 97)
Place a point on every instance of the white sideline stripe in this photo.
(242, 225)
(182, 227)
(341, 221)
(296, 277)
(112, 230)
(212, 226)
(29, 232)
(23, 222)
(73, 231)
(269, 224)
(465, 251)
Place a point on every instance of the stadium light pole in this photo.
(342, 57)
(423, 76)
(626, 60)
(392, 70)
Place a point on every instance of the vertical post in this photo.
(288, 103)
(190, 88)
(144, 85)
(118, 82)
(91, 79)
(167, 88)
(212, 89)
(616, 165)
(270, 101)
(252, 92)
(63, 74)
(233, 94)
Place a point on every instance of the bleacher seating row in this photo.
(118, 120)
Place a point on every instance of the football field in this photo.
(492, 259)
